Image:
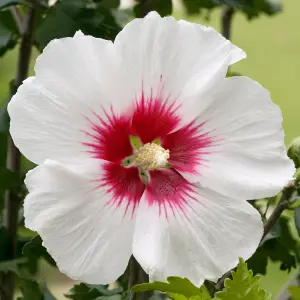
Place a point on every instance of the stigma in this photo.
(151, 157)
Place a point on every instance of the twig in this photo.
(19, 20)
(12, 201)
(281, 206)
(227, 15)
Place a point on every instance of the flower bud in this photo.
(294, 151)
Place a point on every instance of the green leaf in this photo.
(202, 297)
(30, 290)
(8, 179)
(34, 250)
(8, 32)
(279, 246)
(274, 233)
(204, 292)
(273, 6)
(109, 3)
(6, 3)
(102, 289)
(84, 291)
(286, 236)
(243, 286)
(177, 296)
(294, 292)
(297, 218)
(69, 16)
(253, 8)
(182, 297)
(81, 292)
(34, 290)
(98, 22)
(195, 6)
(175, 285)
(12, 265)
(57, 24)
(164, 7)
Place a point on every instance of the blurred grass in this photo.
(273, 48)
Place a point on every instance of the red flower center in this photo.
(151, 119)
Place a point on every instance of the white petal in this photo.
(202, 243)
(80, 232)
(78, 77)
(75, 79)
(248, 158)
(175, 59)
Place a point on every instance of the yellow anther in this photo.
(151, 156)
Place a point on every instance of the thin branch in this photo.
(12, 201)
(18, 17)
(227, 14)
(281, 206)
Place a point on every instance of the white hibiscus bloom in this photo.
(175, 195)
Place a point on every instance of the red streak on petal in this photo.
(169, 190)
(153, 118)
(109, 137)
(123, 184)
(187, 147)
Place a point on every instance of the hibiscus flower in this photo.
(145, 148)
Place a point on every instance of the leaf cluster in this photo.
(243, 285)
(84, 291)
(251, 8)
(280, 245)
